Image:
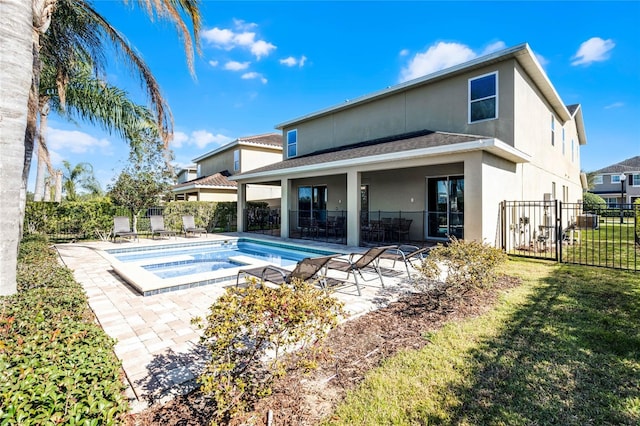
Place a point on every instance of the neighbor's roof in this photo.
(629, 165)
(266, 140)
(522, 53)
(410, 145)
(217, 180)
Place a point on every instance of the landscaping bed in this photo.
(355, 347)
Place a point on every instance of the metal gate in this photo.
(567, 232)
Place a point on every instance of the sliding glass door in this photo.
(312, 204)
(445, 207)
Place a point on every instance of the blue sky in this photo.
(265, 62)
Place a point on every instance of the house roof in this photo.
(410, 145)
(266, 140)
(215, 181)
(522, 53)
(629, 165)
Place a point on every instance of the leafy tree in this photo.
(146, 181)
(24, 23)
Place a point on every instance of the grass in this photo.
(611, 245)
(562, 348)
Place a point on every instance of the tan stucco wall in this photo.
(438, 106)
(250, 158)
(262, 192)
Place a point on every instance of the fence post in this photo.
(503, 224)
(559, 223)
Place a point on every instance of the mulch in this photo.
(355, 347)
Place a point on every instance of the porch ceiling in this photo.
(427, 144)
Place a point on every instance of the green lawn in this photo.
(611, 245)
(563, 348)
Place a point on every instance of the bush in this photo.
(248, 329)
(593, 202)
(451, 271)
(56, 365)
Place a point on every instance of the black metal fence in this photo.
(567, 232)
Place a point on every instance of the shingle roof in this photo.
(217, 180)
(629, 165)
(273, 139)
(399, 143)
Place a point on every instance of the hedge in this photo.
(57, 366)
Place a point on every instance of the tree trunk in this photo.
(38, 193)
(16, 70)
(58, 194)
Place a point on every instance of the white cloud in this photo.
(236, 66)
(593, 50)
(213, 63)
(493, 47)
(404, 52)
(437, 57)
(198, 138)
(541, 60)
(292, 62)
(74, 141)
(254, 75)
(240, 36)
(614, 105)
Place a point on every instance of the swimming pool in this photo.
(160, 268)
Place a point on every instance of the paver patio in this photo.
(158, 346)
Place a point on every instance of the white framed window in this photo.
(553, 130)
(292, 143)
(612, 202)
(236, 160)
(635, 179)
(615, 178)
(198, 171)
(597, 180)
(483, 98)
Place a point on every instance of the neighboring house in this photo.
(186, 174)
(608, 184)
(209, 180)
(444, 150)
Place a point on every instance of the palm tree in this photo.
(80, 175)
(24, 22)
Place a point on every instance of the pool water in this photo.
(168, 262)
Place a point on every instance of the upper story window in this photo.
(292, 143)
(615, 178)
(236, 160)
(553, 130)
(483, 98)
(635, 180)
(198, 170)
(597, 180)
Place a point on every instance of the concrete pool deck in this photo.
(158, 346)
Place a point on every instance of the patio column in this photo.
(285, 193)
(354, 179)
(241, 203)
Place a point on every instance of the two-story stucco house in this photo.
(609, 183)
(210, 179)
(441, 152)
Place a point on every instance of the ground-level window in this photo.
(483, 98)
(312, 204)
(611, 201)
(292, 143)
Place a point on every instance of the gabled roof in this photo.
(629, 165)
(522, 53)
(410, 145)
(215, 181)
(266, 140)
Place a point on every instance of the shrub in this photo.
(56, 365)
(247, 331)
(451, 271)
(593, 202)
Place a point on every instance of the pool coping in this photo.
(149, 284)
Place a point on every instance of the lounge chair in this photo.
(157, 227)
(306, 269)
(122, 228)
(358, 262)
(407, 254)
(189, 226)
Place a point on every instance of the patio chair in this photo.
(122, 228)
(406, 254)
(358, 262)
(189, 226)
(306, 269)
(157, 227)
